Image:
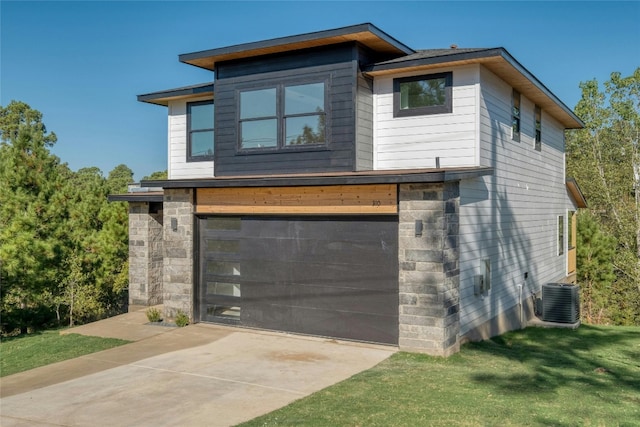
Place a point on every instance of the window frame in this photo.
(516, 118)
(281, 116)
(190, 156)
(560, 236)
(537, 128)
(445, 108)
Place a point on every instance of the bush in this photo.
(182, 319)
(153, 314)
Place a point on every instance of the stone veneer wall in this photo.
(145, 255)
(429, 276)
(178, 252)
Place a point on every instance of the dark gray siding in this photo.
(339, 66)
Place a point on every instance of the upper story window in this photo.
(537, 122)
(283, 116)
(421, 95)
(515, 115)
(200, 131)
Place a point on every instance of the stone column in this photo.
(429, 272)
(145, 254)
(178, 252)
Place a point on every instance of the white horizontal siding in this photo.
(510, 217)
(415, 142)
(179, 168)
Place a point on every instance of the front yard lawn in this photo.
(25, 352)
(541, 377)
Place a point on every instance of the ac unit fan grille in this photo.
(560, 303)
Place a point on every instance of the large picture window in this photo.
(421, 95)
(283, 116)
(200, 130)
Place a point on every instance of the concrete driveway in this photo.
(201, 375)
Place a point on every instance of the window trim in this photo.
(537, 128)
(516, 118)
(190, 157)
(446, 108)
(281, 145)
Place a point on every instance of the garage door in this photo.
(328, 276)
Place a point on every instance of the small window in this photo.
(560, 235)
(515, 115)
(304, 114)
(258, 119)
(537, 113)
(422, 95)
(200, 130)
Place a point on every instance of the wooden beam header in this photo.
(372, 199)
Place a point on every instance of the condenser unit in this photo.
(560, 303)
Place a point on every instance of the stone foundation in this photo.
(429, 276)
(145, 254)
(178, 252)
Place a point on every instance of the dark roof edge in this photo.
(454, 57)
(197, 89)
(185, 57)
(371, 177)
(136, 197)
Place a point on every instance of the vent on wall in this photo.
(560, 303)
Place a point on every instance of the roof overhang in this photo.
(499, 62)
(365, 34)
(346, 178)
(576, 193)
(165, 96)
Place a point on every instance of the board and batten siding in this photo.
(178, 167)
(510, 217)
(416, 141)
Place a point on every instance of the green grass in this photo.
(540, 377)
(24, 352)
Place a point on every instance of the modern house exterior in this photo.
(342, 184)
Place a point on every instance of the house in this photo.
(342, 184)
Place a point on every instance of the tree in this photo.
(32, 211)
(603, 157)
(156, 175)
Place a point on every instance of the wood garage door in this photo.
(328, 276)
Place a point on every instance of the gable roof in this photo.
(366, 34)
(498, 61)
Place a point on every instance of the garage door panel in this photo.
(356, 326)
(359, 229)
(322, 251)
(322, 297)
(365, 276)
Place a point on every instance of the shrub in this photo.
(153, 314)
(182, 319)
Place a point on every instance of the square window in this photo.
(422, 95)
(200, 130)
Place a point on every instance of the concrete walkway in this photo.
(200, 375)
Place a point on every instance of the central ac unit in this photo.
(560, 303)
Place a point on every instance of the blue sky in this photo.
(82, 63)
